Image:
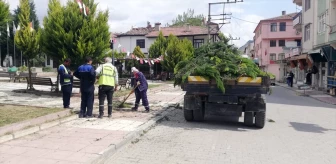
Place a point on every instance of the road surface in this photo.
(303, 132)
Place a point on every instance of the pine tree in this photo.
(4, 18)
(26, 38)
(138, 53)
(68, 33)
(188, 17)
(177, 50)
(159, 47)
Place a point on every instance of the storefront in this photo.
(299, 66)
(330, 54)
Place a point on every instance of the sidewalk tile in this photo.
(81, 157)
(35, 152)
(94, 149)
(16, 150)
(58, 154)
(73, 147)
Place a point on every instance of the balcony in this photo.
(298, 2)
(333, 29)
(297, 22)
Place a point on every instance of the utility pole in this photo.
(222, 15)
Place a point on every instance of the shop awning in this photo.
(298, 57)
(329, 53)
(316, 56)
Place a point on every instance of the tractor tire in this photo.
(248, 118)
(260, 119)
(188, 115)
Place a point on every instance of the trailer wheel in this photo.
(188, 115)
(248, 118)
(198, 113)
(260, 119)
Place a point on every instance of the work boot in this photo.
(135, 108)
(100, 116)
(109, 116)
(80, 116)
(147, 109)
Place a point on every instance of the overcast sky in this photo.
(127, 13)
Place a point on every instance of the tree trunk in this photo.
(31, 87)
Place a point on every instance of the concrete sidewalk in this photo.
(88, 140)
(317, 95)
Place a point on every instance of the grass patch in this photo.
(153, 85)
(10, 114)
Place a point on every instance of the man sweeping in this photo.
(141, 90)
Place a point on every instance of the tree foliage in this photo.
(32, 17)
(158, 48)
(218, 61)
(188, 17)
(4, 18)
(68, 33)
(138, 53)
(26, 39)
(177, 50)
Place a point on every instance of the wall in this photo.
(274, 69)
(332, 19)
(322, 6)
(308, 17)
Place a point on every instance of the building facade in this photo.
(270, 37)
(247, 50)
(144, 37)
(318, 25)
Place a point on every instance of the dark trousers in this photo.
(87, 103)
(67, 91)
(141, 95)
(103, 92)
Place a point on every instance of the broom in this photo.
(123, 102)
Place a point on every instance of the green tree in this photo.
(26, 38)
(32, 17)
(188, 17)
(138, 53)
(4, 18)
(68, 33)
(158, 48)
(177, 50)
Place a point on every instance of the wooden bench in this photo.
(23, 75)
(11, 75)
(76, 83)
(124, 83)
(41, 81)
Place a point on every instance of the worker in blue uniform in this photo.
(87, 76)
(141, 90)
(66, 79)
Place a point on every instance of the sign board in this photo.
(291, 44)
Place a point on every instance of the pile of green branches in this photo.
(219, 61)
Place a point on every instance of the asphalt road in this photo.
(303, 132)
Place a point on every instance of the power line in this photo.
(255, 22)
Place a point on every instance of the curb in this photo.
(107, 153)
(306, 95)
(28, 131)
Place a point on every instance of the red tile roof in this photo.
(181, 31)
(138, 31)
(282, 17)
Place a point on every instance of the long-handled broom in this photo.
(123, 102)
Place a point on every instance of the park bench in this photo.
(124, 83)
(11, 75)
(23, 75)
(41, 81)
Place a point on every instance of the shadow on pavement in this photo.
(312, 128)
(285, 96)
(210, 123)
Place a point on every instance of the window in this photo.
(307, 5)
(272, 43)
(298, 41)
(273, 57)
(281, 56)
(198, 43)
(282, 43)
(321, 23)
(282, 26)
(273, 27)
(307, 33)
(140, 43)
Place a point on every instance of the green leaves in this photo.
(216, 61)
(138, 53)
(189, 17)
(4, 13)
(159, 47)
(68, 33)
(177, 51)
